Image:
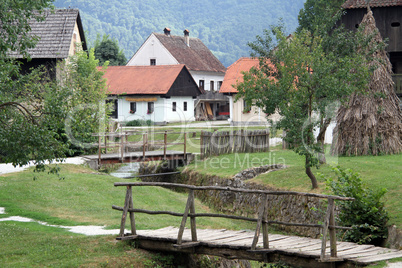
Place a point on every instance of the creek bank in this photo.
(286, 208)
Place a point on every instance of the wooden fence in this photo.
(108, 141)
(238, 141)
(262, 221)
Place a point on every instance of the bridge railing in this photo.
(107, 141)
(262, 221)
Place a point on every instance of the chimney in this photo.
(187, 37)
(167, 31)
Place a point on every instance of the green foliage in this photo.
(107, 50)
(84, 103)
(224, 26)
(316, 13)
(139, 123)
(366, 214)
(302, 75)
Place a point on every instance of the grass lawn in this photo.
(376, 171)
(83, 197)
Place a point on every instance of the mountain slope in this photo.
(225, 26)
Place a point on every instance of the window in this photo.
(185, 106)
(133, 107)
(395, 24)
(212, 86)
(246, 107)
(219, 85)
(201, 84)
(150, 108)
(174, 106)
(152, 62)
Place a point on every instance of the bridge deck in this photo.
(236, 244)
(137, 156)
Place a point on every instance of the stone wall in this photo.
(296, 209)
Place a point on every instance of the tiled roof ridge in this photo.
(350, 4)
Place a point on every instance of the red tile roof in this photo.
(373, 3)
(153, 80)
(234, 73)
(196, 57)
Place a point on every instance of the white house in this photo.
(207, 71)
(162, 93)
(240, 113)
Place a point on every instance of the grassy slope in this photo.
(376, 171)
(82, 197)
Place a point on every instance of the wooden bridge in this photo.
(107, 146)
(258, 245)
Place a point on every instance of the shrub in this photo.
(366, 214)
(139, 123)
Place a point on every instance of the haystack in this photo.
(371, 123)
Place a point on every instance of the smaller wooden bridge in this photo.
(258, 245)
(109, 143)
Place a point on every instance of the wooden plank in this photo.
(125, 210)
(325, 226)
(128, 237)
(381, 257)
(185, 215)
(365, 253)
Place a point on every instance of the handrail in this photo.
(262, 220)
(123, 136)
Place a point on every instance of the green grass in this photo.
(85, 197)
(376, 171)
(34, 245)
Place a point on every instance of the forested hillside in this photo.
(225, 26)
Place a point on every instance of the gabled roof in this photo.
(234, 73)
(349, 4)
(153, 80)
(55, 34)
(197, 57)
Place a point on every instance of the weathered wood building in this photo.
(388, 17)
(60, 35)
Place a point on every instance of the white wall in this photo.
(152, 49)
(207, 77)
(162, 110)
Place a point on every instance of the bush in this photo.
(139, 123)
(366, 214)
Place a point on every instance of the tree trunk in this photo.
(310, 174)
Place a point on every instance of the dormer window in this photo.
(152, 62)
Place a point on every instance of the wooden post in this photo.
(99, 150)
(122, 148)
(325, 227)
(201, 144)
(143, 145)
(190, 200)
(125, 210)
(105, 143)
(332, 232)
(192, 218)
(185, 146)
(261, 212)
(132, 218)
(164, 145)
(265, 224)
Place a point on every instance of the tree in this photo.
(83, 86)
(316, 13)
(34, 109)
(108, 50)
(299, 77)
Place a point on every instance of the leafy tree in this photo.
(316, 13)
(85, 109)
(33, 109)
(299, 78)
(108, 50)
